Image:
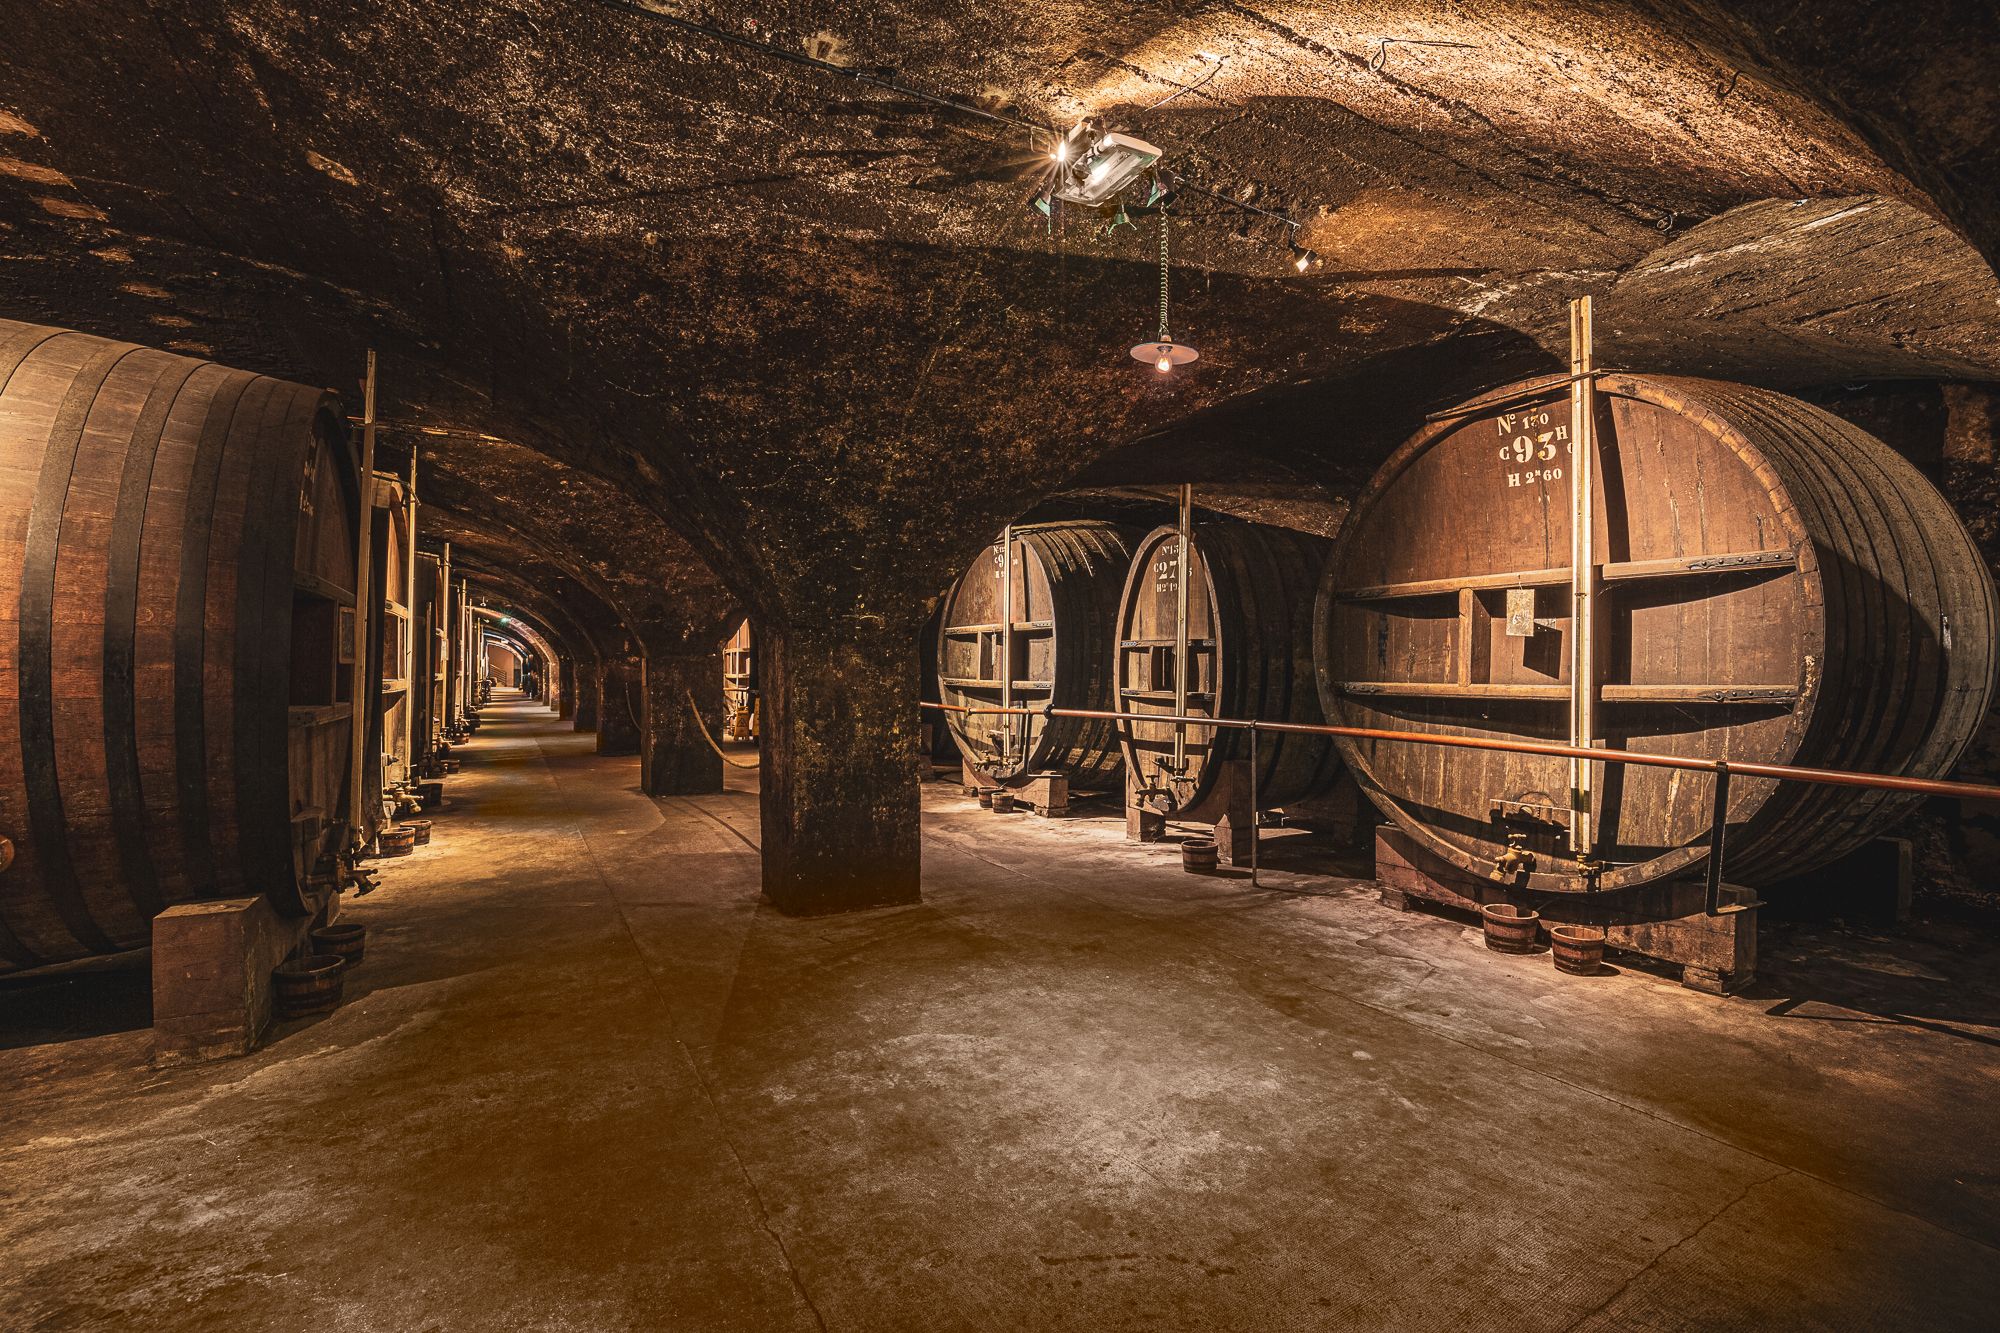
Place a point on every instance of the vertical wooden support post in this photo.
(1007, 646)
(441, 707)
(1583, 572)
(363, 593)
(410, 625)
(469, 656)
(1181, 624)
(461, 656)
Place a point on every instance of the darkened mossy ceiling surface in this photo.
(808, 323)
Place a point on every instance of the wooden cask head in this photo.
(1056, 648)
(1249, 655)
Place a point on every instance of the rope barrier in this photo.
(699, 721)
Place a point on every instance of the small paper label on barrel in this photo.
(1521, 613)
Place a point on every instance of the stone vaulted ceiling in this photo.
(805, 325)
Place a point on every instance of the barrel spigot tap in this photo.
(1517, 859)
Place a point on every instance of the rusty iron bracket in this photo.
(1717, 837)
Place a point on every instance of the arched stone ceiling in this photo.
(532, 585)
(808, 322)
(596, 534)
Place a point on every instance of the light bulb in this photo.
(1165, 362)
(1062, 151)
(1303, 262)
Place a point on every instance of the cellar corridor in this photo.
(588, 1079)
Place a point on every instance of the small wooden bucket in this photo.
(308, 985)
(1199, 855)
(985, 798)
(347, 943)
(1578, 950)
(1510, 929)
(1003, 802)
(420, 827)
(396, 840)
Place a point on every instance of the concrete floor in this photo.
(585, 1081)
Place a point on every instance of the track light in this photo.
(1302, 258)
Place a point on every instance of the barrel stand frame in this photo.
(1047, 794)
(1230, 806)
(212, 964)
(1668, 921)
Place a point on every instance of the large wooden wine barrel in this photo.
(390, 628)
(173, 715)
(739, 683)
(1056, 648)
(1776, 585)
(427, 683)
(1249, 638)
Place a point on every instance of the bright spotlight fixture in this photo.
(1105, 165)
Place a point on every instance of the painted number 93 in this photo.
(1540, 447)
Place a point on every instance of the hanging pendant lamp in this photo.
(1163, 352)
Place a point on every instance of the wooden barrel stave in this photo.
(97, 792)
(144, 731)
(1912, 717)
(1088, 563)
(1075, 571)
(29, 391)
(1880, 558)
(1855, 694)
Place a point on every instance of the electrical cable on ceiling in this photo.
(879, 77)
(1380, 57)
(1185, 89)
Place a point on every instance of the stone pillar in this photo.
(1972, 423)
(618, 691)
(586, 697)
(566, 688)
(840, 794)
(675, 759)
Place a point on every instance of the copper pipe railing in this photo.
(1970, 791)
(1723, 770)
